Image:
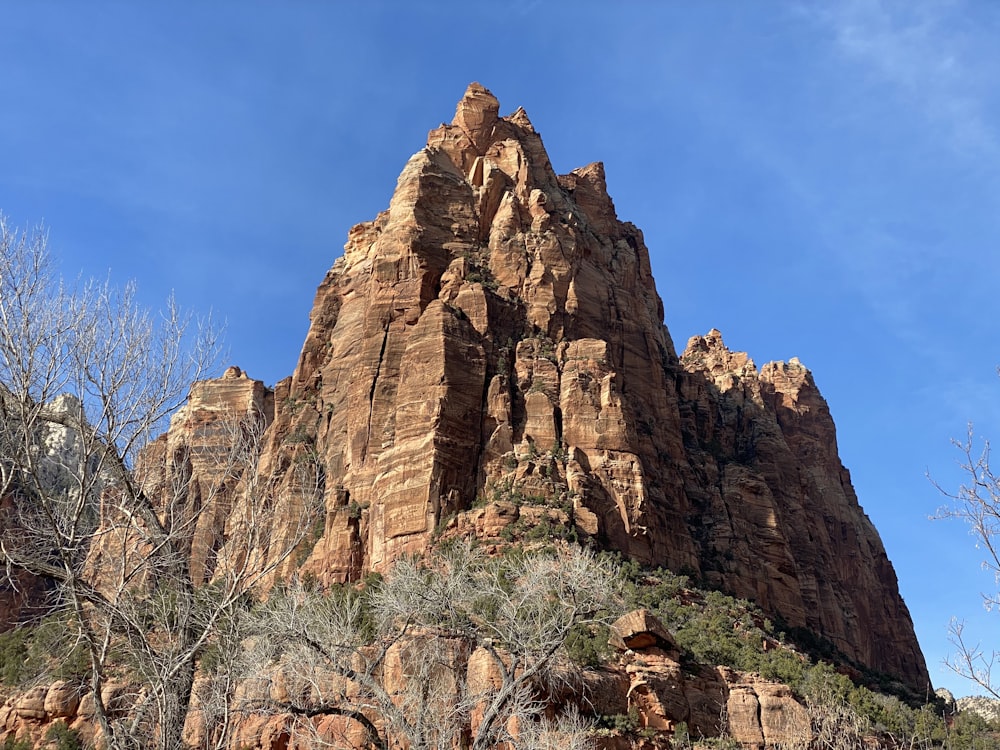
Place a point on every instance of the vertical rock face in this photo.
(190, 467)
(495, 337)
(777, 515)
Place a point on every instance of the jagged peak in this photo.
(520, 118)
(710, 354)
(477, 114)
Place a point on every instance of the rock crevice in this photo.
(496, 337)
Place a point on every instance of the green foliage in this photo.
(61, 737)
(548, 529)
(510, 491)
(480, 274)
(12, 661)
(442, 525)
(558, 451)
(12, 743)
(620, 723)
(298, 436)
(970, 731)
(711, 627)
(49, 646)
(372, 580)
(886, 716)
(720, 743)
(587, 645)
(342, 596)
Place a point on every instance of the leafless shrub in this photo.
(977, 502)
(87, 380)
(457, 643)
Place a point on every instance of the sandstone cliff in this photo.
(489, 356)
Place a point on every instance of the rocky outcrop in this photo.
(30, 714)
(777, 514)
(988, 708)
(645, 680)
(194, 468)
(488, 357)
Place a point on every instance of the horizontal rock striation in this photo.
(488, 358)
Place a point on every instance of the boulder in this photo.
(62, 699)
(640, 629)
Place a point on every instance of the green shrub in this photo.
(61, 737)
(588, 646)
(50, 645)
(620, 723)
(12, 652)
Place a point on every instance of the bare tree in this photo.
(836, 724)
(88, 379)
(977, 502)
(568, 731)
(457, 650)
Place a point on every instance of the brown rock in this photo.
(117, 697)
(499, 324)
(8, 716)
(31, 704)
(477, 114)
(784, 721)
(62, 699)
(765, 714)
(743, 712)
(605, 691)
(426, 657)
(640, 629)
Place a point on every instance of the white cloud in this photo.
(927, 53)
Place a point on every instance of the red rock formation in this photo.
(780, 520)
(495, 339)
(645, 680)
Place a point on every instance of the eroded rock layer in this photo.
(644, 679)
(488, 357)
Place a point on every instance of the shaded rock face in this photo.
(495, 339)
(778, 519)
(22, 596)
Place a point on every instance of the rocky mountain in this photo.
(988, 708)
(488, 358)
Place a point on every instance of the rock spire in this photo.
(488, 358)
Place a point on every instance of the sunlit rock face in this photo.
(488, 358)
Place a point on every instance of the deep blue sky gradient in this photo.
(815, 180)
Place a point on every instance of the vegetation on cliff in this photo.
(396, 546)
(92, 505)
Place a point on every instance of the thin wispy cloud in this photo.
(819, 180)
(904, 195)
(927, 54)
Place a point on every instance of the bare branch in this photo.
(88, 379)
(977, 503)
(456, 643)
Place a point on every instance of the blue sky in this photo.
(818, 180)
